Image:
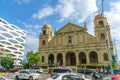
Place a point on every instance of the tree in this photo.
(33, 58)
(7, 62)
(114, 65)
(37, 58)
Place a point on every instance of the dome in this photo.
(99, 16)
(47, 26)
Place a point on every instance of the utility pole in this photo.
(107, 40)
(108, 47)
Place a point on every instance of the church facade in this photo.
(72, 44)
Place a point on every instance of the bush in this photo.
(91, 66)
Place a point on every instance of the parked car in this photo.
(4, 78)
(13, 70)
(55, 71)
(111, 77)
(114, 71)
(67, 76)
(37, 69)
(27, 74)
(3, 70)
(86, 71)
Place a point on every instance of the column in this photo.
(64, 59)
(55, 59)
(100, 57)
(77, 58)
(87, 58)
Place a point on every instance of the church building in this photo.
(72, 44)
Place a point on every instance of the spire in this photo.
(102, 7)
(55, 30)
(85, 24)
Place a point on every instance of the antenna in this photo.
(102, 7)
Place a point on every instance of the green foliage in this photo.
(33, 59)
(114, 65)
(90, 66)
(25, 65)
(7, 62)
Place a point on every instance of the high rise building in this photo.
(12, 41)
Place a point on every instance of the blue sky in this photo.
(31, 15)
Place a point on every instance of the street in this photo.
(11, 75)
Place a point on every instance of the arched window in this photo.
(102, 36)
(101, 23)
(42, 58)
(43, 42)
(105, 57)
(69, 40)
(44, 32)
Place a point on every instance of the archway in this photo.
(70, 59)
(93, 57)
(82, 58)
(59, 59)
(51, 59)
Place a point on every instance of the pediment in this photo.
(69, 27)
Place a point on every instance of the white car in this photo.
(27, 74)
(4, 78)
(67, 76)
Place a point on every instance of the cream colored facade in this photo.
(72, 44)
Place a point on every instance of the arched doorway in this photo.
(93, 57)
(59, 59)
(51, 59)
(82, 58)
(70, 59)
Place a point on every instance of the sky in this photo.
(31, 15)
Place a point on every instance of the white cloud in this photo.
(32, 39)
(113, 16)
(31, 43)
(43, 13)
(79, 9)
(69, 9)
(22, 1)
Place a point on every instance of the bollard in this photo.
(8, 75)
(4, 74)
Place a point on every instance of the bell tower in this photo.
(101, 28)
(46, 36)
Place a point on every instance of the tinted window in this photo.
(26, 72)
(21, 72)
(61, 70)
(72, 77)
(55, 77)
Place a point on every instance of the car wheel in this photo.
(30, 78)
(16, 78)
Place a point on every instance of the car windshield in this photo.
(55, 76)
(76, 77)
(32, 71)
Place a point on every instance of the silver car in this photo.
(27, 74)
(67, 76)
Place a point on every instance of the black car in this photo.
(86, 71)
(3, 70)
